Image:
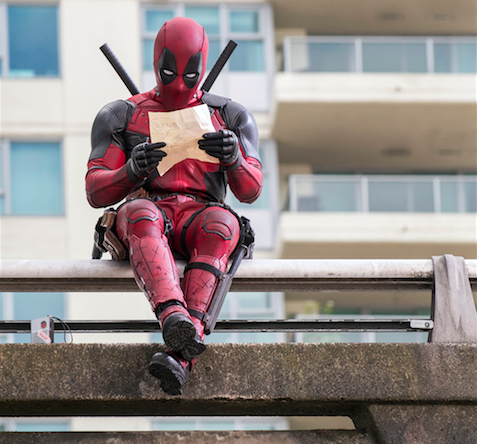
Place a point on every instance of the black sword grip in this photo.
(116, 64)
(219, 64)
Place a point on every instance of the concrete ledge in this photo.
(234, 379)
(256, 437)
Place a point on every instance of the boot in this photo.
(195, 346)
(179, 331)
(171, 370)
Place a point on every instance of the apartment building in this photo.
(367, 121)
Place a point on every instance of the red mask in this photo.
(180, 59)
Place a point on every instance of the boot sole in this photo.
(192, 349)
(179, 334)
(171, 381)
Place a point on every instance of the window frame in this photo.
(4, 40)
(5, 176)
(227, 82)
(225, 33)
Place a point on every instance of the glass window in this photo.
(470, 197)
(33, 40)
(174, 425)
(422, 197)
(381, 57)
(219, 423)
(394, 57)
(455, 57)
(36, 305)
(254, 301)
(449, 203)
(214, 53)
(442, 58)
(335, 196)
(466, 57)
(388, 196)
(42, 427)
(414, 57)
(330, 57)
(208, 17)
(156, 18)
(147, 54)
(36, 178)
(244, 21)
(248, 56)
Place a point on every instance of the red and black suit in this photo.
(183, 213)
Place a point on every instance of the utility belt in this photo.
(105, 239)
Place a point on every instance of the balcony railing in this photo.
(373, 193)
(381, 54)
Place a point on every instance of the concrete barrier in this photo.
(391, 391)
(256, 437)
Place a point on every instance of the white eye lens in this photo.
(191, 76)
(167, 72)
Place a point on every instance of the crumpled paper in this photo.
(181, 131)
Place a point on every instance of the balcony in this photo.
(381, 54)
(366, 103)
(352, 216)
(385, 194)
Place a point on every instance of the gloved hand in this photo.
(223, 145)
(144, 158)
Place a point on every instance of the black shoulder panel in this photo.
(241, 121)
(108, 126)
(214, 101)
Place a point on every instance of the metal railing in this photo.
(380, 54)
(386, 193)
(253, 275)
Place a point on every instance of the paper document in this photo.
(181, 131)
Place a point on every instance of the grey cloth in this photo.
(453, 307)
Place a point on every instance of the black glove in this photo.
(144, 158)
(224, 145)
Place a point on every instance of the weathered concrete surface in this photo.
(419, 424)
(298, 437)
(235, 379)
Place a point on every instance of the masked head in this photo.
(180, 59)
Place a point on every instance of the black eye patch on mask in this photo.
(167, 67)
(194, 66)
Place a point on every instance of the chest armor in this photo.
(189, 176)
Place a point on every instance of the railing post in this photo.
(453, 309)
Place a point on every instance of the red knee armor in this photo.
(211, 237)
(141, 226)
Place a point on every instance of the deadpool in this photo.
(180, 213)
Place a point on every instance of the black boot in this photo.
(181, 336)
(171, 371)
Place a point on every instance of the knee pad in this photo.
(141, 209)
(220, 222)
